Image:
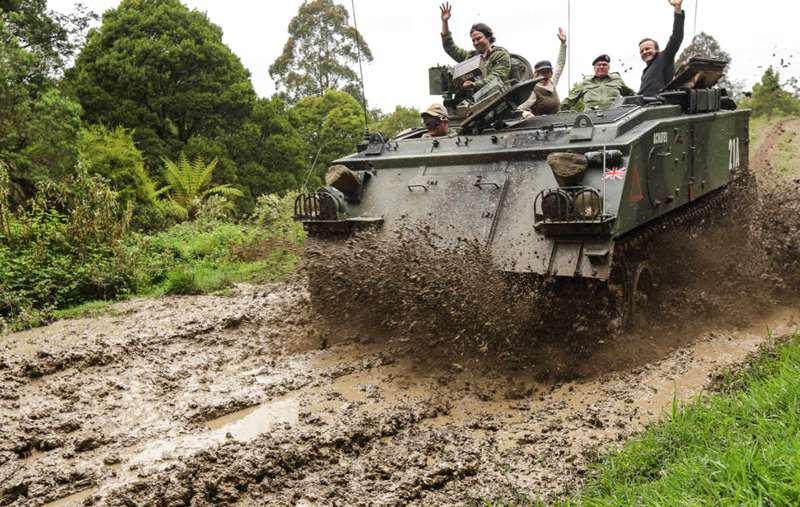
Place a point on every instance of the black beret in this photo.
(544, 64)
(602, 58)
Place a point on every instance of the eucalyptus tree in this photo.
(320, 53)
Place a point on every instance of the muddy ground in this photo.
(250, 399)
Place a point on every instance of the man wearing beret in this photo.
(598, 91)
(495, 61)
(660, 67)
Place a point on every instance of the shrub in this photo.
(65, 247)
(111, 153)
(274, 212)
(182, 282)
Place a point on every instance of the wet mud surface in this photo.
(444, 391)
(212, 400)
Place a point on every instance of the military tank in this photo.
(571, 196)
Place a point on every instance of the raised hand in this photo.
(446, 10)
(562, 35)
(677, 4)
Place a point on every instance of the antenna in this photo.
(360, 68)
(569, 45)
(696, 2)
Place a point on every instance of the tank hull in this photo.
(647, 163)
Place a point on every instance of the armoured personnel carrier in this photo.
(574, 195)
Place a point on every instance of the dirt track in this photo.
(241, 399)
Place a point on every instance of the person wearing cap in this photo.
(495, 61)
(600, 90)
(660, 65)
(436, 121)
(544, 98)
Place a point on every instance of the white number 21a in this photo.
(733, 153)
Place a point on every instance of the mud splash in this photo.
(409, 283)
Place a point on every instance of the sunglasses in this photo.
(431, 122)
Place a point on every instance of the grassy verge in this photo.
(758, 129)
(738, 447)
(84, 310)
(787, 149)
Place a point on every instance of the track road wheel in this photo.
(640, 298)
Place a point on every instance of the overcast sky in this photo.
(404, 35)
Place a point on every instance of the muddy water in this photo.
(72, 500)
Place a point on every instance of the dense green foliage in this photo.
(320, 50)
(39, 126)
(331, 125)
(400, 119)
(50, 38)
(112, 154)
(72, 244)
(64, 247)
(161, 71)
(155, 100)
(189, 183)
(159, 68)
(210, 254)
(269, 151)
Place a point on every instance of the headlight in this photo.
(588, 204)
(556, 205)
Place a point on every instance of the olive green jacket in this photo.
(597, 93)
(496, 65)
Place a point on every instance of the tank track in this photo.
(637, 246)
(634, 244)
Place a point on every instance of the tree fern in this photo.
(187, 182)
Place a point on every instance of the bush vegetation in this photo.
(72, 243)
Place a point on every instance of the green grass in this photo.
(88, 309)
(206, 278)
(738, 447)
(787, 150)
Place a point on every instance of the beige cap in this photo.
(436, 110)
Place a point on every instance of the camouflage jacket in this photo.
(597, 93)
(496, 65)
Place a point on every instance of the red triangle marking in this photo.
(636, 190)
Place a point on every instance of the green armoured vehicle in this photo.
(570, 195)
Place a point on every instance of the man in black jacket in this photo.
(660, 67)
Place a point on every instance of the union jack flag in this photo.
(614, 173)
